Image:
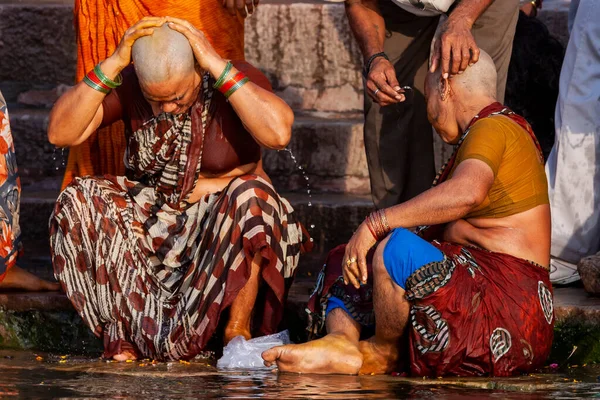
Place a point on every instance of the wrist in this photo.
(215, 66)
(459, 22)
(374, 59)
(112, 66)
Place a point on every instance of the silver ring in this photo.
(375, 92)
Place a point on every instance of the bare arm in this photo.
(267, 117)
(78, 113)
(454, 46)
(449, 201)
(368, 27)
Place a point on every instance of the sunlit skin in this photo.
(451, 105)
(78, 113)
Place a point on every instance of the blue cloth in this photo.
(335, 302)
(405, 253)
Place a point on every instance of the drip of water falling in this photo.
(306, 179)
(54, 159)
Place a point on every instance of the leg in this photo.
(399, 152)
(17, 278)
(241, 309)
(396, 258)
(391, 313)
(336, 353)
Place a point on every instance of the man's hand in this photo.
(354, 265)
(453, 47)
(243, 7)
(144, 27)
(205, 54)
(382, 85)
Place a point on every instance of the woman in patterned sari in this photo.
(151, 260)
(11, 276)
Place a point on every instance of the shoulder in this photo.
(253, 73)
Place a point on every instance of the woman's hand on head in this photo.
(144, 27)
(354, 265)
(205, 54)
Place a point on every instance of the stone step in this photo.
(305, 48)
(38, 160)
(48, 322)
(329, 155)
(328, 146)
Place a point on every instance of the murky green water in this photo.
(21, 375)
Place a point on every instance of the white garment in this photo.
(573, 167)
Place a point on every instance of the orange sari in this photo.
(100, 25)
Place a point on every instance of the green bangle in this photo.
(224, 74)
(95, 86)
(106, 80)
(236, 87)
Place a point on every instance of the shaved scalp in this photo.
(162, 56)
(479, 78)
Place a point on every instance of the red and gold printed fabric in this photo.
(475, 313)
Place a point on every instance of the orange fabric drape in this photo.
(99, 25)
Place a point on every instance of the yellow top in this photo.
(519, 177)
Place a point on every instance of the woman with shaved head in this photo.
(152, 259)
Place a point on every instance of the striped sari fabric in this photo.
(145, 269)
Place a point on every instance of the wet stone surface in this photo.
(29, 375)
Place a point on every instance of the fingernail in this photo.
(399, 98)
(470, 65)
(446, 75)
(460, 72)
(397, 88)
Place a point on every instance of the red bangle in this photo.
(94, 78)
(231, 82)
(371, 229)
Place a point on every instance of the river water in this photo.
(34, 375)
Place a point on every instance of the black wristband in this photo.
(372, 58)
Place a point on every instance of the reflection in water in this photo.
(23, 376)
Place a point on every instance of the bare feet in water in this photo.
(232, 330)
(378, 360)
(332, 354)
(18, 279)
(125, 355)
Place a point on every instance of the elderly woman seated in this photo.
(151, 260)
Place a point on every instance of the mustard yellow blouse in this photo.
(520, 180)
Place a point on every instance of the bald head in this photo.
(452, 102)
(477, 79)
(163, 56)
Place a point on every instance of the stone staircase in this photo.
(307, 51)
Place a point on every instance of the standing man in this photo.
(395, 44)
(573, 167)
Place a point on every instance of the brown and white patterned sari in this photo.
(143, 267)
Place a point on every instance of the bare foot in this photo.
(378, 359)
(19, 279)
(232, 330)
(333, 354)
(125, 356)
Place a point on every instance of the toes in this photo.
(271, 355)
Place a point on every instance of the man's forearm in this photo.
(468, 11)
(367, 24)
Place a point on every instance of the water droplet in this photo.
(312, 226)
(310, 204)
(308, 191)
(312, 240)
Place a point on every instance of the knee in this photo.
(379, 267)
